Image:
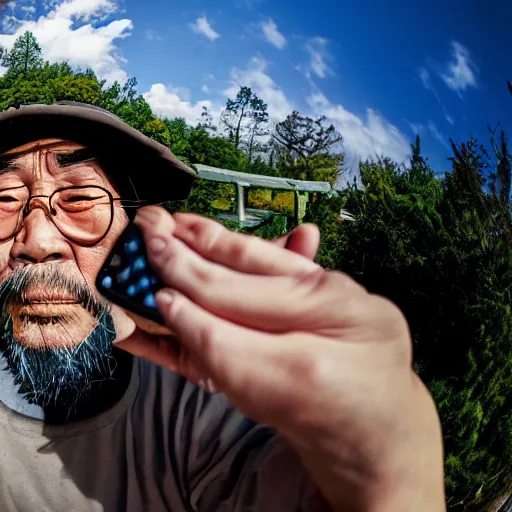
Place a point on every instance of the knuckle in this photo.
(173, 309)
(167, 263)
(213, 238)
(202, 276)
(336, 293)
(308, 368)
(240, 249)
(344, 283)
(206, 234)
(390, 325)
(330, 282)
(314, 281)
(163, 224)
(390, 316)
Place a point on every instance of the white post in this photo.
(240, 202)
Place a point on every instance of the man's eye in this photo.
(8, 199)
(76, 199)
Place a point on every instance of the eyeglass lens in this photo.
(83, 214)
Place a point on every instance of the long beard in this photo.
(48, 375)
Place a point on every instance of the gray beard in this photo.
(57, 377)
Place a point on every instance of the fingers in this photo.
(244, 253)
(269, 303)
(249, 365)
(303, 240)
(303, 298)
(235, 358)
(262, 302)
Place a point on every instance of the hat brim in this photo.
(157, 175)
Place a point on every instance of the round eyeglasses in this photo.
(83, 214)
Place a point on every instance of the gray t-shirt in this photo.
(165, 446)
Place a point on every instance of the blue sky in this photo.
(380, 71)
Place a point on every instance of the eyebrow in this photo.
(63, 158)
(67, 158)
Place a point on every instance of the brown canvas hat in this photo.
(124, 152)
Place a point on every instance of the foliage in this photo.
(25, 55)
(303, 145)
(206, 122)
(201, 148)
(246, 119)
(439, 246)
(280, 202)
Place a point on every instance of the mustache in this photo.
(53, 280)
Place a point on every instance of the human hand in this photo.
(306, 351)
(303, 240)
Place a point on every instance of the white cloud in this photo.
(202, 26)
(437, 134)
(371, 137)
(272, 34)
(205, 89)
(461, 72)
(256, 77)
(417, 128)
(78, 31)
(85, 10)
(166, 102)
(30, 9)
(427, 84)
(152, 35)
(318, 57)
(425, 78)
(368, 138)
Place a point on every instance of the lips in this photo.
(40, 303)
(31, 302)
(42, 295)
(45, 309)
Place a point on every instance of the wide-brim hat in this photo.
(155, 172)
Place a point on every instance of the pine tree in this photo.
(26, 55)
(301, 140)
(245, 116)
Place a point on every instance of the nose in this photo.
(40, 241)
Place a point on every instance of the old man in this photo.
(285, 387)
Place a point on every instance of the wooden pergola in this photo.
(243, 181)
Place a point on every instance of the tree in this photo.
(500, 182)
(206, 121)
(301, 137)
(245, 115)
(126, 103)
(26, 55)
(257, 128)
(48, 84)
(75, 88)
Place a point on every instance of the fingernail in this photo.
(156, 245)
(163, 299)
(149, 214)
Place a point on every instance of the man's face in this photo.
(50, 308)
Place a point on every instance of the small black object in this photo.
(126, 279)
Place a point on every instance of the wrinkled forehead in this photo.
(62, 159)
(41, 145)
